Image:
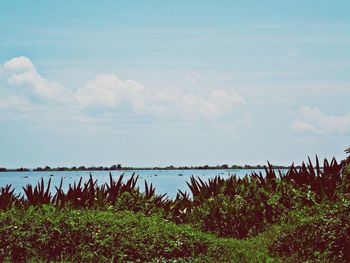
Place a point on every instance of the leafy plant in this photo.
(7, 197)
(37, 195)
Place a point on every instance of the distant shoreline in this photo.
(120, 168)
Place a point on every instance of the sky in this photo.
(156, 83)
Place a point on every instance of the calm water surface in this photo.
(165, 181)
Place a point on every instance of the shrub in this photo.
(249, 211)
(87, 235)
(326, 237)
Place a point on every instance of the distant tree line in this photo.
(3, 169)
(79, 168)
(120, 167)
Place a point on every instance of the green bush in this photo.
(325, 238)
(249, 211)
(49, 234)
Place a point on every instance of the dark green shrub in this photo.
(136, 202)
(327, 237)
(249, 211)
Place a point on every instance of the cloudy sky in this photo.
(146, 83)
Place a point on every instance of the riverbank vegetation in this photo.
(297, 216)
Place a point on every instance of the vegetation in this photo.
(324, 237)
(48, 234)
(297, 216)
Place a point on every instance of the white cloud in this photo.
(23, 74)
(106, 96)
(110, 92)
(313, 120)
(20, 65)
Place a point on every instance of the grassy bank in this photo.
(303, 215)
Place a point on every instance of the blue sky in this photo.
(148, 83)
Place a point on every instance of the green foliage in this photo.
(242, 207)
(50, 234)
(249, 211)
(326, 237)
(110, 221)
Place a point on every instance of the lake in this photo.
(164, 181)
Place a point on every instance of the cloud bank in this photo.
(25, 89)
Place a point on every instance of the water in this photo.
(164, 181)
